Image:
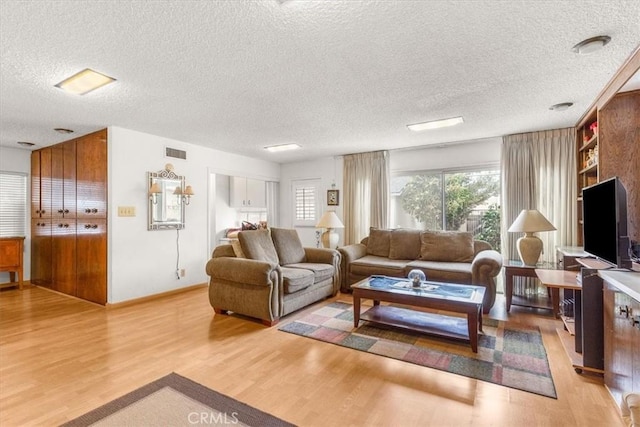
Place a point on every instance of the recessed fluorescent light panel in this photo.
(84, 82)
(282, 147)
(435, 124)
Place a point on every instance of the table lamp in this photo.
(330, 221)
(529, 245)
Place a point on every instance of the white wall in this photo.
(480, 152)
(225, 214)
(328, 170)
(459, 155)
(19, 160)
(142, 262)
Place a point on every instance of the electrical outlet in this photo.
(126, 211)
(183, 272)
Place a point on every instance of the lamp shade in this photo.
(155, 188)
(530, 221)
(188, 191)
(329, 220)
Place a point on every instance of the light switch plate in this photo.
(126, 211)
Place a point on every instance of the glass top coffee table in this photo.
(465, 299)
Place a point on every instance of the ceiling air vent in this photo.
(178, 154)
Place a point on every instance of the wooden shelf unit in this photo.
(588, 172)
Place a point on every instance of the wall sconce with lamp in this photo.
(154, 190)
(166, 212)
(184, 196)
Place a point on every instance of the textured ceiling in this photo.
(336, 77)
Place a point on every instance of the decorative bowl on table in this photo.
(416, 277)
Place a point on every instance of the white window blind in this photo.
(305, 196)
(13, 204)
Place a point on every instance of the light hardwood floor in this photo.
(61, 357)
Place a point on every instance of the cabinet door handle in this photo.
(38, 211)
(87, 226)
(66, 226)
(249, 202)
(66, 211)
(59, 225)
(43, 225)
(94, 226)
(94, 210)
(42, 211)
(87, 210)
(60, 211)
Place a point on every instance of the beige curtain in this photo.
(539, 172)
(273, 204)
(366, 194)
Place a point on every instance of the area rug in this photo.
(175, 401)
(509, 354)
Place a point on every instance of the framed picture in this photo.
(333, 197)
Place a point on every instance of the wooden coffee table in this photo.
(465, 299)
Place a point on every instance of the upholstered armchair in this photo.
(268, 274)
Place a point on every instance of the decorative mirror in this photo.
(166, 200)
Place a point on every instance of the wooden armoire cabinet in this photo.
(69, 217)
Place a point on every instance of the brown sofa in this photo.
(267, 274)
(444, 256)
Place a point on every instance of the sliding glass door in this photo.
(449, 200)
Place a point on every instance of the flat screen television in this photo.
(604, 215)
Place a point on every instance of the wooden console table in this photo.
(555, 280)
(582, 335)
(11, 255)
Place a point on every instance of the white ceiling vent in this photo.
(175, 153)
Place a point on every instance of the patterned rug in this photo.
(509, 354)
(175, 401)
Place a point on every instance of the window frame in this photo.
(24, 220)
(312, 183)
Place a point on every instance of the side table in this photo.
(11, 254)
(517, 268)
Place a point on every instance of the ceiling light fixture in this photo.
(26, 144)
(588, 46)
(435, 124)
(63, 130)
(84, 82)
(282, 147)
(561, 107)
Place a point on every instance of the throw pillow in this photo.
(288, 246)
(237, 249)
(257, 244)
(404, 244)
(447, 246)
(379, 241)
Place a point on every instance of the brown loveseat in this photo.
(268, 274)
(444, 256)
